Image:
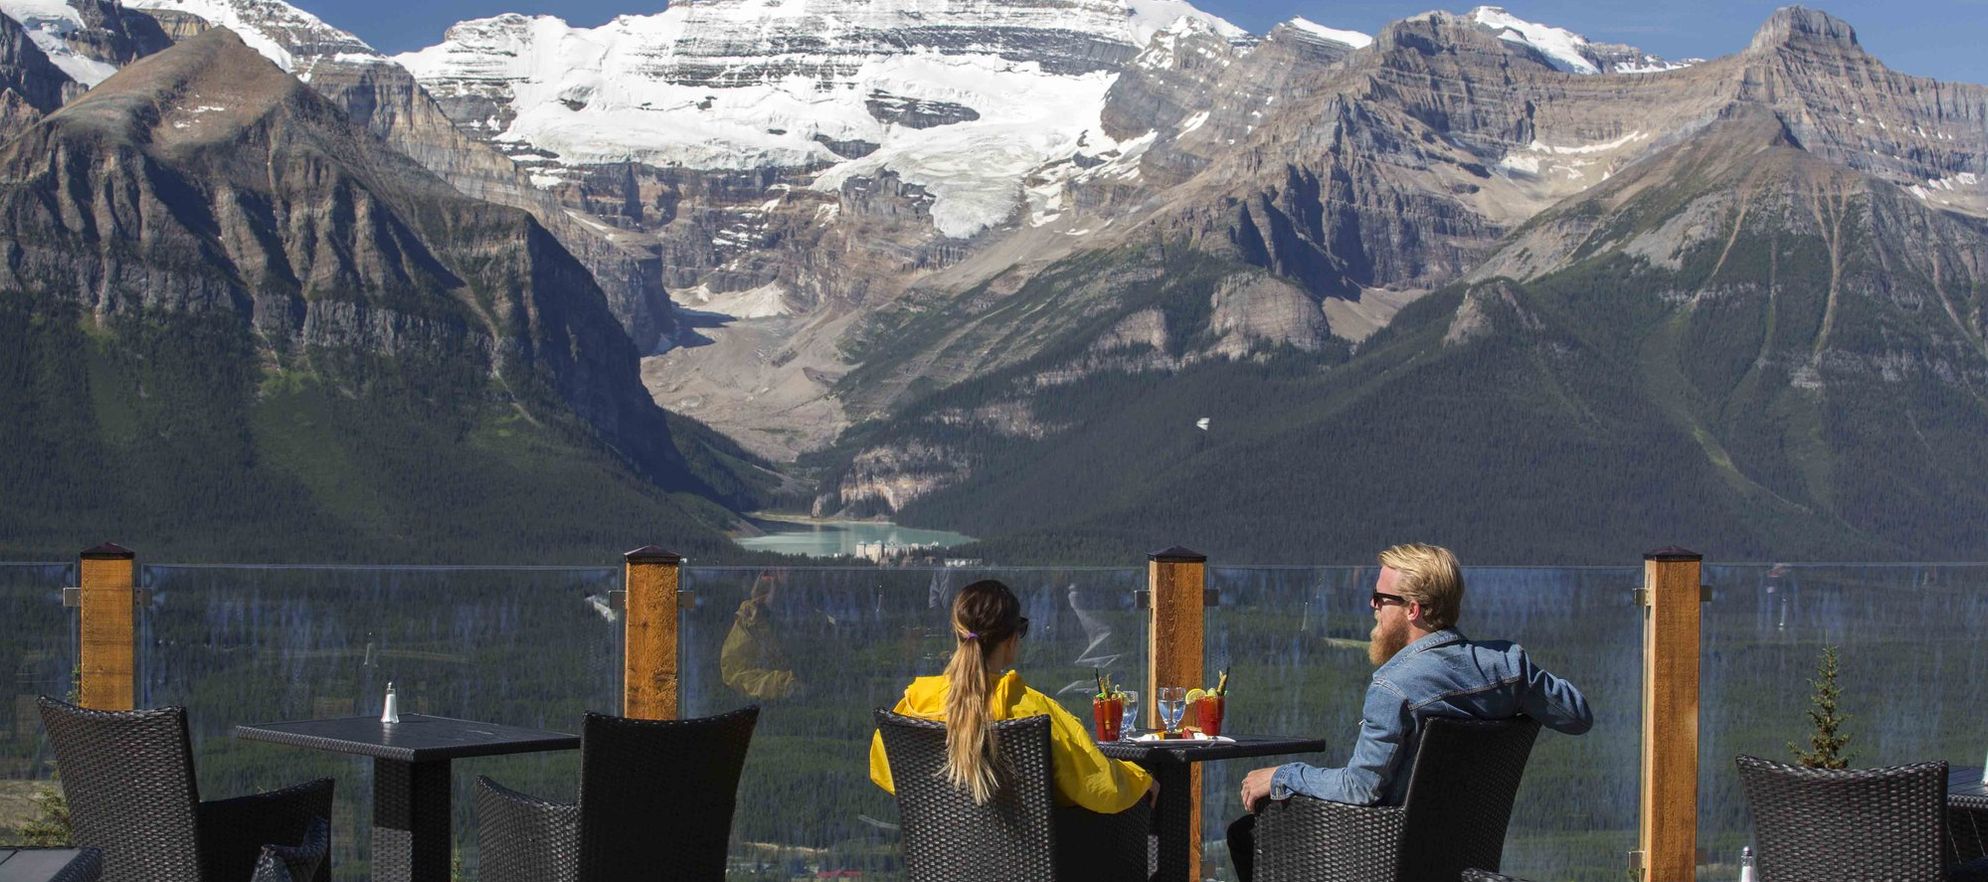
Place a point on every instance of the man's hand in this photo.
(1256, 787)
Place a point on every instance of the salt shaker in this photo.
(1746, 864)
(392, 712)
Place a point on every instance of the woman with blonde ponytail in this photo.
(973, 694)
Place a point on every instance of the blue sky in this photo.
(1935, 38)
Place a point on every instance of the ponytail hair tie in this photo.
(971, 635)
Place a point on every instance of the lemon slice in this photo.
(1194, 695)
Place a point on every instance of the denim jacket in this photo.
(1441, 675)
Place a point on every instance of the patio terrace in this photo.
(817, 651)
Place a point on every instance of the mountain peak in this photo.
(1355, 39)
(1800, 26)
(1563, 48)
(203, 88)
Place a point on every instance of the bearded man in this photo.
(1427, 668)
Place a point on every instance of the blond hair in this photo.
(985, 614)
(1431, 577)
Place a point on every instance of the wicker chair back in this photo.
(1460, 795)
(1846, 823)
(946, 836)
(658, 794)
(128, 777)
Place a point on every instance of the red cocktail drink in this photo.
(1108, 713)
(1209, 708)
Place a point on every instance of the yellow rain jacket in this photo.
(1083, 776)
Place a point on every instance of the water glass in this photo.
(1173, 705)
(1131, 722)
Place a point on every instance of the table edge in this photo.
(256, 732)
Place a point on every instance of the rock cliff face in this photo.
(31, 86)
(204, 181)
(387, 101)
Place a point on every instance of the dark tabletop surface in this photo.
(417, 738)
(1964, 788)
(33, 864)
(1202, 751)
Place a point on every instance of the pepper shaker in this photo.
(392, 713)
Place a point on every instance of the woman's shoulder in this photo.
(1025, 699)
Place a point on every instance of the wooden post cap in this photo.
(652, 554)
(1177, 554)
(1672, 553)
(108, 551)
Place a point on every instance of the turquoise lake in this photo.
(830, 538)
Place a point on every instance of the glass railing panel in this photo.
(1295, 640)
(522, 646)
(818, 649)
(1910, 666)
(38, 657)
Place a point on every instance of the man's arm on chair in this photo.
(1384, 724)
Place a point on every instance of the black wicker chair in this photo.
(1851, 823)
(1460, 793)
(128, 778)
(1019, 835)
(656, 800)
(295, 863)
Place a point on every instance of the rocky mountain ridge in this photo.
(203, 192)
(1418, 162)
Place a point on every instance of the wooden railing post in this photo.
(1668, 837)
(109, 601)
(1177, 580)
(649, 670)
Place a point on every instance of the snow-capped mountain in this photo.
(960, 99)
(296, 40)
(1569, 51)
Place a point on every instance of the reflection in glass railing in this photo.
(1910, 660)
(528, 647)
(38, 657)
(818, 649)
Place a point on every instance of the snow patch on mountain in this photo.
(49, 24)
(1563, 48)
(975, 170)
(270, 27)
(1354, 39)
(1149, 17)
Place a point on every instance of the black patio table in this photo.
(50, 864)
(1169, 762)
(410, 776)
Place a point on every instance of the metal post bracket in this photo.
(1643, 595)
(618, 600)
(1143, 598)
(72, 597)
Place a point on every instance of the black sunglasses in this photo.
(1022, 630)
(1381, 599)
